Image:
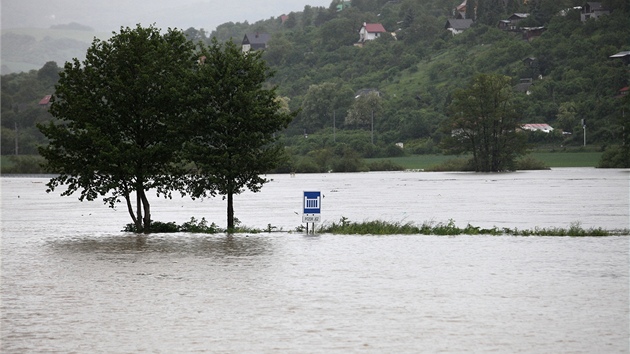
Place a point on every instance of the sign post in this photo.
(312, 206)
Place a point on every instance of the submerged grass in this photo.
(345, 227)
(379, 227)
(198, 226)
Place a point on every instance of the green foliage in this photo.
(324, 105)
(484, 121)
(200, 226)
(231, 133)
(456, 164)
(385, 165)
(192, 226)
(22, 164)
(115, 115)
(530, 163)
(345, 227)
(417, 73)
(616, 157)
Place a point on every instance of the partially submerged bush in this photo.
(385, 165)
(461, 164)
(530, 163)
(615, 157)
(193, 225)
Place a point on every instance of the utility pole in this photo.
(584, 127)
(334, 127)
(16, 137)
(372, 126)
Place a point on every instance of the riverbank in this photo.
(550, 159)
(27, 164)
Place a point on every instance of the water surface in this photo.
(72, 282)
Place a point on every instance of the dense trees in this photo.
(324, 105)
(484, 121)
(21, 111)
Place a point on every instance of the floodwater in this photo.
(72, 282)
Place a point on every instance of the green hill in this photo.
(413, 68)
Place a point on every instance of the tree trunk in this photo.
(138, 219)
(130, 208)
(230, 210)
(147, 212)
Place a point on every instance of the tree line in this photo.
(151, 111)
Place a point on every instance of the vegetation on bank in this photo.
(31, 164)
(196, 226)
(378, 227)
(345, 227)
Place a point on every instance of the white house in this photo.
(370, 31)
(538, 127)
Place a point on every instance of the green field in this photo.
(551, 159)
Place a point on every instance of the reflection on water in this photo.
(71, 283)
(217, 246)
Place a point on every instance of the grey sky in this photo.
(109, 15)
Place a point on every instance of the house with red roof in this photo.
(542, 127)
(370, 31)
(45, 101)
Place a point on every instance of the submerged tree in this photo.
(116, 116)
(234, 124)
(484, 120)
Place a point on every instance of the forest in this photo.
(390, 96)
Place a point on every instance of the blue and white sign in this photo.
(312, 205)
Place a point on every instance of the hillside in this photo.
(27, 49)
(414, 68)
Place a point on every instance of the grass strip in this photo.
(345, 227)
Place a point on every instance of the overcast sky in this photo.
(109, 15)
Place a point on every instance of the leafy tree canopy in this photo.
(236, 118)
(115, 118)
(484, 120)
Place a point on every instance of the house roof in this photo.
(623, 92)
(524, 85)
(374, 28)
(518, 16)
(462, 6)
(458, 24)
(594, 5)
(46, 100)
(256, 38)
(538, 126)
(621, 54)
(366, 91)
